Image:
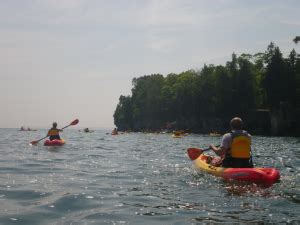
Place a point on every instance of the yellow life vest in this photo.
(241, 146)
(53, 132)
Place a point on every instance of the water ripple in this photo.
(138, 179)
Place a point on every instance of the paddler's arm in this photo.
(220, 151)
(224, 147)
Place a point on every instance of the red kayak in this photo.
(263, 176)
(55, 142)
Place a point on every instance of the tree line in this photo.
(263, 89)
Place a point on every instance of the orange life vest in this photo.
(240, 146)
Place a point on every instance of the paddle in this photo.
(194, 153)
(71, 124)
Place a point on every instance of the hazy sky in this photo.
(67, 59)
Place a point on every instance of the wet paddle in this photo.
(194, 153)
(71, 124)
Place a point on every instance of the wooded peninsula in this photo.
(263, 89)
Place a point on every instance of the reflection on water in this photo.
(137, 179)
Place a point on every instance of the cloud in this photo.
(162, 45)
(59, 13)
(168, 13)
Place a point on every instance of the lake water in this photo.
(137, 178)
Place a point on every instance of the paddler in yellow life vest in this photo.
(53, 133)
(235, 148)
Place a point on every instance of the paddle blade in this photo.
(74, 122)
(194, 153)
(33, 142)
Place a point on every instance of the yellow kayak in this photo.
(176, 136)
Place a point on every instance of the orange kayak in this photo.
(263, 176)
(56, 142)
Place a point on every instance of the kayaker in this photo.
(177, 133)
(235, 148)
(114, 132)
(86, 130)
(53, 133)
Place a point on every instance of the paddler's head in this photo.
(236, 123)
(54, 124)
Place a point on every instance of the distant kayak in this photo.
(87, 130)
(215, 134)
(176, 136)
(27, 130)
(262, 176)
(55, 142)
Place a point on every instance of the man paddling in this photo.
(53, 133)
(235, 148)
(114, 132)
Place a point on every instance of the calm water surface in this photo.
(137, 179)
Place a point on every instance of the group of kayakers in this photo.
(26, 129)
(234, 151)
(53, 133)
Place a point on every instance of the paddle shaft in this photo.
(207, 149)
(66, 126)
(39, 139)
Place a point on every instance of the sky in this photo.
(67, 59)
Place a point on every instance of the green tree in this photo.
(197, 98)
(225, 104)
(146, 101)
(275, 82)
(291, 89)
(296, 39)
(246, 86)
(168, 98)
(123, 113)
(185, 91)
(205, 93)
(259, 72)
